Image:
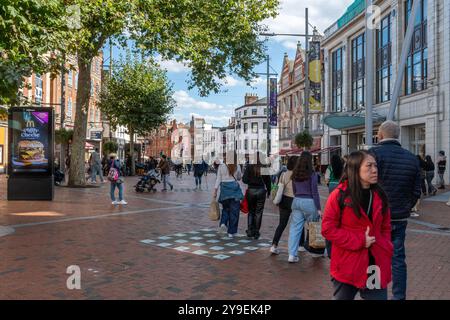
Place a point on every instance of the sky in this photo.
(217, 109)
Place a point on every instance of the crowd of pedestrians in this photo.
(371, 196)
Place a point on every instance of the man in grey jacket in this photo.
(96, 166)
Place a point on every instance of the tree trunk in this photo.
(77, 166)
(133, 167)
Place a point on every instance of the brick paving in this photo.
(82, 228)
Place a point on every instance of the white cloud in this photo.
(258, 81)
(291, 18)
(185, 101)
(229, 81)
(172, 65)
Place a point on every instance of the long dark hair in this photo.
(337, 166)
(354, 190)
(292, 161)
(428, 160)
(304, 168)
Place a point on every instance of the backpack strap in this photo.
(341, 201)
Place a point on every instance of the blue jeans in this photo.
(302, 209)
(399, 272)
(96, 169)
(198, 181)
(165, 180)
(430, 177)
(230, 215)
(113, 188)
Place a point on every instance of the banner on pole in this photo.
(315, 77)
(273, 102)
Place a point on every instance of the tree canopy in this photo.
(30, 31)
(138, 96)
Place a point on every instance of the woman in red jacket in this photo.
(357, 221)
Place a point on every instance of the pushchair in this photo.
(58, 177)
(148, 181)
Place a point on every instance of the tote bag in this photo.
(214, 211)
(244, 204)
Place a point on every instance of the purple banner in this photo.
(273, 102)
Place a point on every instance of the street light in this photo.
(306, 36)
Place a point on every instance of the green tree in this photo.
(137, 96)
(213, 37)
(304, 140)
(30, 33)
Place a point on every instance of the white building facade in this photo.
(424, 103)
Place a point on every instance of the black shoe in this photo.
(257, 236)
(434, 193)
(249, 234)
(171, 188)
(443, 188)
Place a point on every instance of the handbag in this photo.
(279, 193)
(314, 233)
(244, 203)
(214, 211)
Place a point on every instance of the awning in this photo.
(342, 121)
(89, 146)
(295, 151)
(328, 149)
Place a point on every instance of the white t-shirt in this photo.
(224, 176)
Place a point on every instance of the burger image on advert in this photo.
(31, 150)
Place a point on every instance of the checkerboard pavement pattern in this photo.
(209, 243)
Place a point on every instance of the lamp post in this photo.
(307, 36)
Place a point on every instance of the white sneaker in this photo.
(274, 250)
(223, 229)
(123, 202)
(448, 203)
(301, 249)
(414, 215)
(94, 182)
(114, 203)
(230, 235)
(292, 259)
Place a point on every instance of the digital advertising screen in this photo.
(31, 141)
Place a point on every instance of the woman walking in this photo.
(115, 179)
(334, 172)
(258, 189)
(227, 179)
(306, 204)
(429, 174)
(357, 221)
(285, 204)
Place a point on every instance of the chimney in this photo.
(250, 98)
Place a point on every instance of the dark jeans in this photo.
(344, 291)
(285, 212)
(430, 177)
(230, 215)
(198, 180)
(256, 200)
(399, 272)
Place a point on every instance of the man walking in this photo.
(96, 166)
(442, 163)
(399, 176)
(165, 172)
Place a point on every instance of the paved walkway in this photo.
(163, 246)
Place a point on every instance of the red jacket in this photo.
(350, 258)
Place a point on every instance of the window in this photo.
(69, 108)
(254, 127)
(254, 112)
(417, 64)
(254, 145)
(265, 126)
(384, 63)
(265, 111)
(245, 113)
(245, 144)
(76, 80)
(92, 88)
(358, 71)
(245, 127)
(70, 78)
(336, 104)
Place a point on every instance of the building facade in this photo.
(424, 105)
(251, 127)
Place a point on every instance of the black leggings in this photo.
(256, 199)
(285, 212)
